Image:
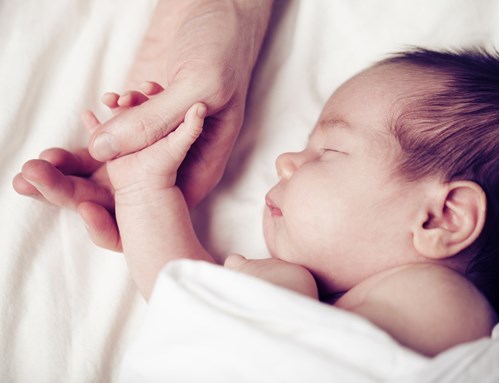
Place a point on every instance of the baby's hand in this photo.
(276, 271)
(154, 167)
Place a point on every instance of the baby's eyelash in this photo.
(331, 150)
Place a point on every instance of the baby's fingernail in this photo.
(201, 111)
(105, 147)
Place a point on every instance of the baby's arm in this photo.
(151, 212)
(278, 272)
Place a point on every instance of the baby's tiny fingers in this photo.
(181, 139)
(151, 88)
(90, 121)
(132, 98)
(110, 99)
(194, 120)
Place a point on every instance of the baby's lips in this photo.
(275, 211)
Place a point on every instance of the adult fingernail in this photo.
(105, 147)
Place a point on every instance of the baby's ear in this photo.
(452, 221)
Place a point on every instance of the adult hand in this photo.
(200, 51)
(73, 180)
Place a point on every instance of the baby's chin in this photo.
(273, 238)
(270, 249)
(270, 243)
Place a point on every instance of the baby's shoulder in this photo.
(426, 307)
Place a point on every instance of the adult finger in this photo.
(101, 225)
(62, 190)
(78, 162)
(23, 187)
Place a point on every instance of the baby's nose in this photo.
(286, 165)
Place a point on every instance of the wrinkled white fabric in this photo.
(207, 323)
(68, 310)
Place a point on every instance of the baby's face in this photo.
(338, 208)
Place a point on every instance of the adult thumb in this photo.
(141, 126)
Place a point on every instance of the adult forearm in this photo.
(245, 20)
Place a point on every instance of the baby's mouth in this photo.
(275, 211)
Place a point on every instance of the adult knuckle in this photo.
(148, 131)
(215, 87)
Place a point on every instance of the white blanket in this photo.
(68, 309)
(209, 324)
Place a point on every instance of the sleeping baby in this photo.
(390, 211)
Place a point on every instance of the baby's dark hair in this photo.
(452, 131)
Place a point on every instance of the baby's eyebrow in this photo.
(333, 123)
(327, 123)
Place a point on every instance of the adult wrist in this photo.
(256, 14)
(252, 16)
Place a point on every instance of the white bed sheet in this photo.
(69, 309)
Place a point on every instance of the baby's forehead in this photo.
(373, 100)
(374, 86)
(387, 86)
